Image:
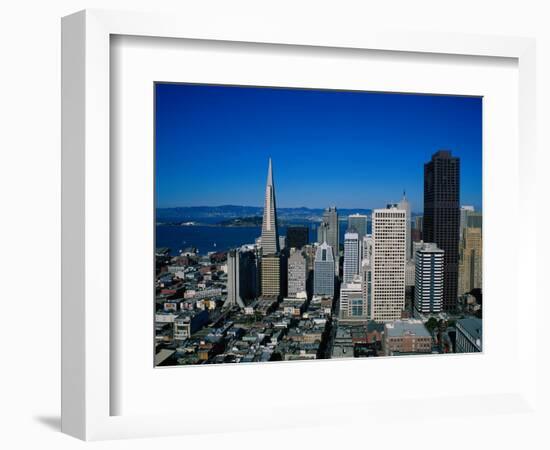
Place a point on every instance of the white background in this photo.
(137, 383)
(30, 187)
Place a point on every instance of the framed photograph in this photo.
(291, 227)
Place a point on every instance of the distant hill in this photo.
(217, 214)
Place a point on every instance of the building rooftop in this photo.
(473, 326)
(401, 328)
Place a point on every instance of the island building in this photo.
(441, 223)
(428, 291)
(388, 263)
(323, 273)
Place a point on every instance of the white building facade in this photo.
(389, 234)
(428, 290)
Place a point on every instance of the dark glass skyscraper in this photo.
(297, 236)
(441, 223)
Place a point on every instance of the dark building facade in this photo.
(441, 222)
(297, 237)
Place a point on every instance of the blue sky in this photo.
(349, 149)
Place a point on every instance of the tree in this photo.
(432, 324)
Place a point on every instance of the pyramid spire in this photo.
(270, 233)
(270, 174)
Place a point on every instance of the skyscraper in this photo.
(388, 271)
(464, 211)
(442, 217)
(270, 233)
(470, 274)
(271, 275)
(366, 274)
(271, 258)
(351, 256)
(323, 273)
(428, 291)
(330, 233)
(352, 301)
(297, 236)
(241, 277)
(357, 223)
(405, 205)
(297, 274)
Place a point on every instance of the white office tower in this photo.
(405, 205)
(352, 302)
(351, 256)
(296, 274)
(428, 291)
(323, 272)
(388, 263)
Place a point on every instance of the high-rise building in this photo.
(329, 232)
(241, 277)
(351, 256)
(418, 222)
(428, 291)
(474, 220)
(297, 274)
(442, 217)
(417, 246)
(270, 234)
(297, 236)
(357, 223)
(389, 232)
(471, 252)
(282, 243)
(366, 274)
(410, 273)
(352, 302)
(323, 273)
(271, 275)
(271, 258)
(464, 212)
(405, 205)
(366, 286)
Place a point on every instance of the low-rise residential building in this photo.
(188, 322)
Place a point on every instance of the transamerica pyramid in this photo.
(270, 233)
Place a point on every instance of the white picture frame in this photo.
(86, 245)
